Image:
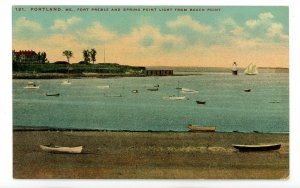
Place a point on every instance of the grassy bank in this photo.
(72, 76)
(76, 69)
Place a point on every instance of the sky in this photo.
(197, 36)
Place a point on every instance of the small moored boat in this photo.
(201, 128)
(247, 90)
(134, 91)
(201, 102)
(66, 82)
(174, 97)
(152, 89)
(103, 87)
(31, 85)
(61, 149)
(188, 91)
(274, 102)
(178, 97)
(113, 95)
(52, 94)
(259, 147)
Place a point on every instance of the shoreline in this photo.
(148, 155)
(82, 76)
(25, 128)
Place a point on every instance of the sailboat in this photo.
(174, 97)
(251, 70)
(67, 82)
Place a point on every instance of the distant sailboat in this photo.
(251, 70)
(174, 97)
(178, 86)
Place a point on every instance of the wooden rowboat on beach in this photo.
(196, 128)
(260, 147)
(61, 149)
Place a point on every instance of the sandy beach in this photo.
(148, 155)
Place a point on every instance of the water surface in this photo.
(84, 105)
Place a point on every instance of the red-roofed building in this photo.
(25, 56)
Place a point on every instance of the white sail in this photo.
(251, 70)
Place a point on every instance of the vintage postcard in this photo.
(150, 92)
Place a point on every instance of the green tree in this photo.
(93, 53)
(68, 54)
(39, 57)
(42, 57)
(86, 56)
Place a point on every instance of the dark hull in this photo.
(54, 95)
(235, 72)
(246, 148)
(200, 102)
(154, 89)
(247, 90)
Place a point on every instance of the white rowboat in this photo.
(61, 149)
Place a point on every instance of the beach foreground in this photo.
(148, 155)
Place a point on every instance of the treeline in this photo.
(88, 56)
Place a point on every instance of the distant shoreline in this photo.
(80, 76)
(24, 128)
(177, 72)
(65, 76)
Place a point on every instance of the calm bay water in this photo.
(83, 105)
